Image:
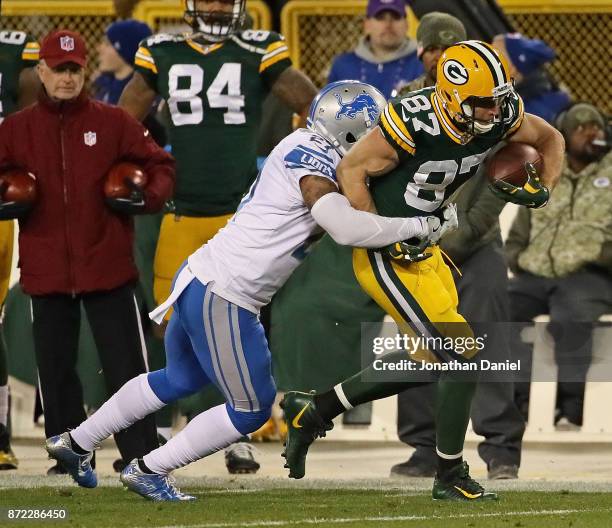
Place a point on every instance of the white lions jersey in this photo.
(270, 234)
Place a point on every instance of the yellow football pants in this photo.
(414, 293)
(179, 237)
(6, 256)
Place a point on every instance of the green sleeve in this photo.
(397, 132)
(276, 58)
(30, 53)
(144, 63)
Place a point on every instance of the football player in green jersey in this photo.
(18, 81)
(428, 143)
(18, 87)
(214, 81)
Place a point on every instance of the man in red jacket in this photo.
(73, 247)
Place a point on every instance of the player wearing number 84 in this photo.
(214, 81)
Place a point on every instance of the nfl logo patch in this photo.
(89, 138)
(67, 43)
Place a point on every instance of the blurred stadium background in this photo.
(317, 30)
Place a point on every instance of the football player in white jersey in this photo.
(214, 334)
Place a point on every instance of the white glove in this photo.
(429, 227)
(450, 222)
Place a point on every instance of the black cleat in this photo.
(304, 426)
(240, 458)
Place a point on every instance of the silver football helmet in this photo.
(215, 26)
(344, 111)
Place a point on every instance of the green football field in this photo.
(221, 508)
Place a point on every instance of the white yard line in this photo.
(227, 491)
(346, 520)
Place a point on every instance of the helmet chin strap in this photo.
(321, 129)
(366, 117)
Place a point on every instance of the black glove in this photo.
(134, 204)
(532, 194)
(406, 252)
(12, 210)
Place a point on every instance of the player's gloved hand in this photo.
(430, 226)
(12, 210)
(450, 222)
(133, 204)
(406, 251)
(532, 194)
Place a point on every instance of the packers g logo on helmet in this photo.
(455, 72)
(472, 74)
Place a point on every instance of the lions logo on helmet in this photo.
(216, 25)
(473, 74)
(344, 111)
(363, 102)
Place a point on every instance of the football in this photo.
(121, 179)
(508, 163)
(18, 185)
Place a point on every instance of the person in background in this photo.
(18, 57)
(561, 257)
(541, 94)
(19, 86)
(384, 57)
(116, 53)
(75, 247)
(436, 32)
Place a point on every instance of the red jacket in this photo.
(71, 242)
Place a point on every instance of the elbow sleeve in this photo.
(350, 227)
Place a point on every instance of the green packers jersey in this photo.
(214, 95)
(434, 161)
(17, 51)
